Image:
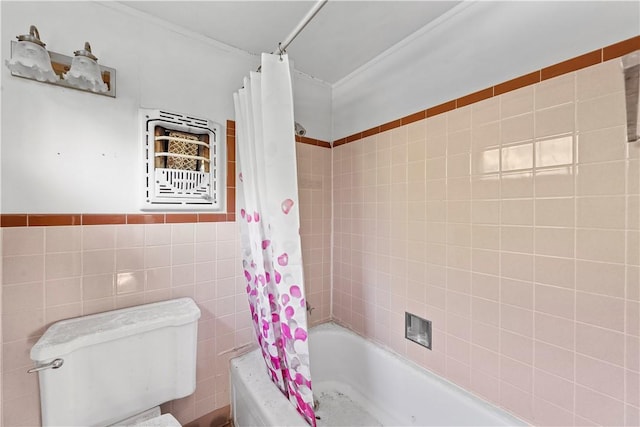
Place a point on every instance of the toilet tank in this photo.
(118, 363)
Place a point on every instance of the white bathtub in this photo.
(358, 383)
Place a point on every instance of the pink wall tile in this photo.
(632, 416)
(61, 265)
(555, 271)
(485, 311)
(632, 353)
(554, 360)
(601, 376)
(516, 266)
(98, 261)
(632, 326)
(486, 336)
(63, 239)
(516, 347)
(128, 259)
(23, 297)
(516, 239)
(60, 312)
(22, 411)
(556, 91)
(600, 310)
(157, 234)
(459, 373)
(516, 400)
(556, 212)
(130, 236)
(598, 407)
(554, 330)
(600, 145)
(23, 324)
(600, 245)
(485, 360)
(556, 120)
(485, 385)
(23, 241)
(547, 414)
(554, 241)
(598, 113)
(515, 292)
(485, 286)
(22, 269)
(600, 179)
(600, 278)
(556, 182)
(516, 373)
(555, 301)
(516, 320)
(553, 389)
(632, 388)
(517, 185)
(610, 346)
(62, 291)
(98, 237)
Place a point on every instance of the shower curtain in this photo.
(267, 201)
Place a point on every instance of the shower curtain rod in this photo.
(282, 46)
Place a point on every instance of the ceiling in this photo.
(342, 37)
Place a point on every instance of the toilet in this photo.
(117, 367)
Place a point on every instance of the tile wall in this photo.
(56, 272)
(513, 224)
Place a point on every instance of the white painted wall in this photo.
(312, 105)
(475, 46)
(66, 151)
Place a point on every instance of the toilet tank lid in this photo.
(68, 335)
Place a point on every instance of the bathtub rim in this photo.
(292, 418)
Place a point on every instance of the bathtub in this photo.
(357, 383)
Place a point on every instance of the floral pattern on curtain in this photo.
(267, 202)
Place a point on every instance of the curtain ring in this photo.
(281, 51)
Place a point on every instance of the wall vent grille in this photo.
(183, 158)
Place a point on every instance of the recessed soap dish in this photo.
(417, 330)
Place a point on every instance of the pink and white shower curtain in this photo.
(267, 201)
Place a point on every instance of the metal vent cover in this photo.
(183, 162)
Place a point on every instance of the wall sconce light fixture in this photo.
(30, 60)
(85, 72)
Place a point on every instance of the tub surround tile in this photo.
(598, 407)
(553, 389)
(17, 241)
(547, 414)
(553, 257)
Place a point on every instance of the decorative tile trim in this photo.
(573, 64)
(613, 51)
(517, 83)
(46, 220)
(311, 141)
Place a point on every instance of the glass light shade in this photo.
(30, 59)
(85, 71)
